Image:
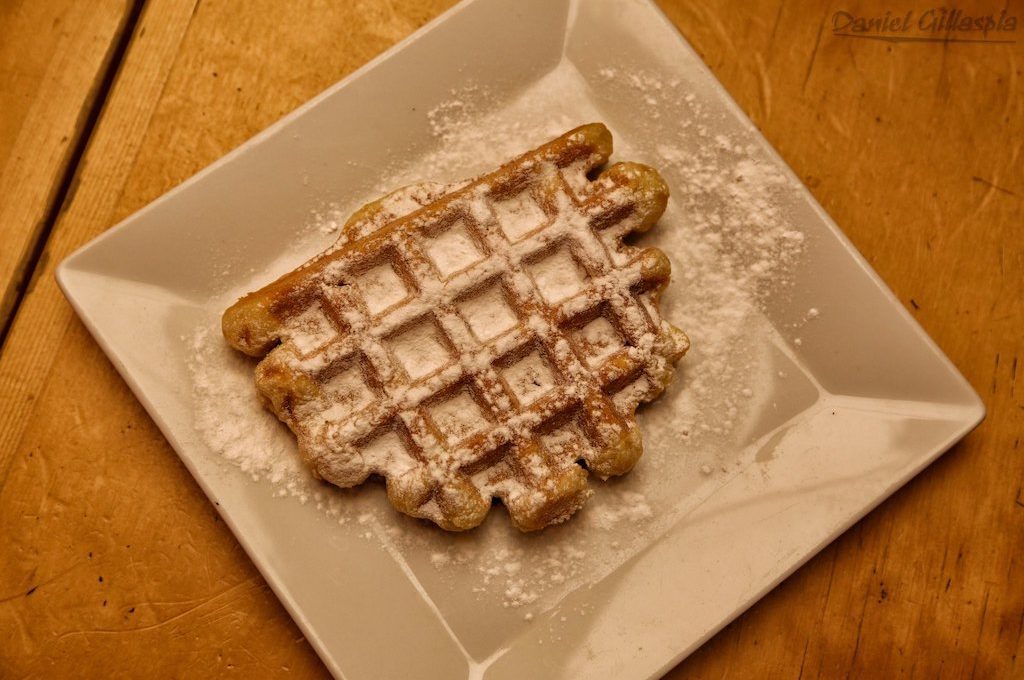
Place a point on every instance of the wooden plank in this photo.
(911, 147)
(53, 59)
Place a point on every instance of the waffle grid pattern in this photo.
(420, 355)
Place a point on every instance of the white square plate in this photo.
(845, 397)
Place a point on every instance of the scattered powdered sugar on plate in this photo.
(632, 508)
(329, 219)
(236, 426)
(730, 245)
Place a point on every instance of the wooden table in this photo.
(113, 563)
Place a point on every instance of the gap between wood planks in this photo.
(34, 256)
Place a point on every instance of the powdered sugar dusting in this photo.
(558, 276)
(231, 420)
(632, 508)
(419, 350)
(729, 242)
(454, 250)
(488, 313)
(519, 215)
(381, 288)
(529, 378)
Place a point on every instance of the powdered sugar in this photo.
(420, 350)
(529, 378)
(632, 507)
(558, 276)
(231, 420)
(728, 239)
(519, 215)
(454, 250)
(417, 353)
(488, 314)
(381, 288)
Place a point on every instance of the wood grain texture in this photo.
(913, 148)
(53, 59)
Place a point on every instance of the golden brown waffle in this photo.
(476, 341)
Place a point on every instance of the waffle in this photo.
(489, 339)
